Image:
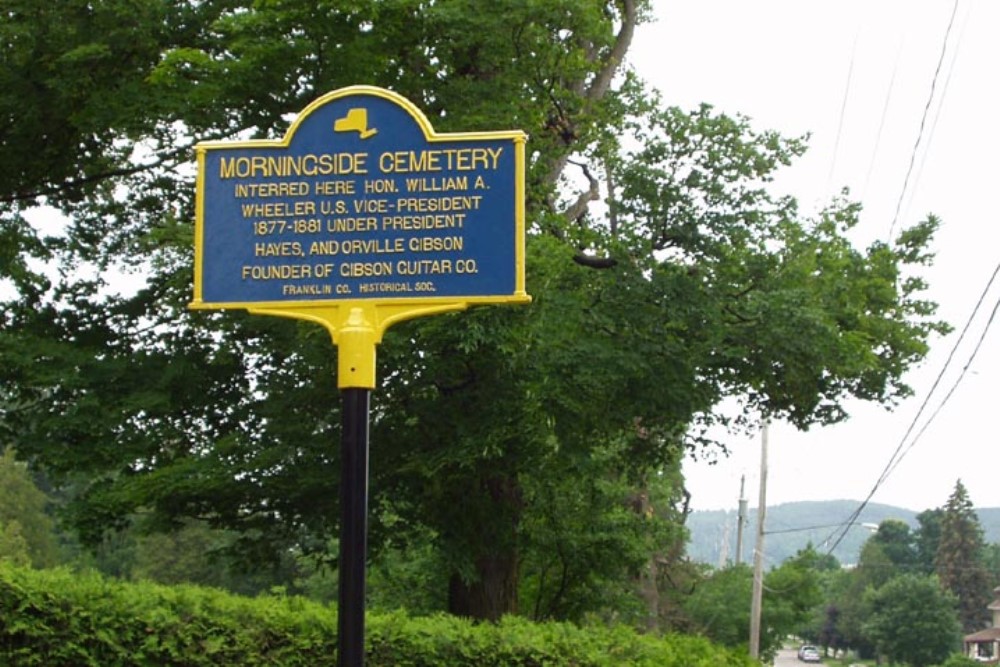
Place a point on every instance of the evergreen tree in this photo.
(959, 559)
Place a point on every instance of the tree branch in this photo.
(622, 43)
(579, 208)
(72, 184)
(591, 95)
(602, 80)
(592, 262)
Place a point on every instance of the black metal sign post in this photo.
(360, 217)
(353, 526)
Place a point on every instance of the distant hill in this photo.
(791, 526)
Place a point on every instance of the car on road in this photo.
(808, 653)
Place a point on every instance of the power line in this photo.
(891, 464)
(940, 106)
(881, 124)
(923, 121)
(961, 376)
(897, 455)
(805, 528)
(843, 112)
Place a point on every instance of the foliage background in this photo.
(525, 460)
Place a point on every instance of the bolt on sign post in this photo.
(360, 217)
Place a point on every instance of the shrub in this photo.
(56, 618)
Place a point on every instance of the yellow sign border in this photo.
(357, 325)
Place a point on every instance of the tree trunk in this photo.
(490, 597)
(493, 591)
(646, 581)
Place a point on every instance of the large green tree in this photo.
(913, 621)
(851, 594)
(897, 544)
(719, 606)
(665, 278)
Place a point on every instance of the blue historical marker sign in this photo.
(361, 200)
(359, 217)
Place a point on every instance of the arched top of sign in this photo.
(341, 112)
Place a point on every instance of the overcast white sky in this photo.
(787, 65)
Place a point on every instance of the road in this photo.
(788, 658)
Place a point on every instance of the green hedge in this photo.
(53, 618)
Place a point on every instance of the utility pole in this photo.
(758, 554)
(741, 521)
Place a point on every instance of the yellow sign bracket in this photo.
(356, 328)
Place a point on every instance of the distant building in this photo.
(984, 646)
